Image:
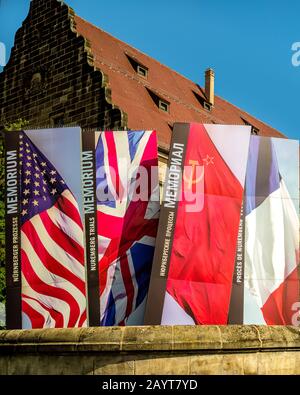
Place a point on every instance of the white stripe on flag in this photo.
(120, 209)
(67, 194)
(49, 321)
(50, 301)
(123, 157)
(269, 255)
(105, 294)
(153, 206)
(133, 279)
(58, 253)
(119, 294)
(52, 279)
(66, 224)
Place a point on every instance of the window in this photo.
(141, 70)
(207, 106)
(163, 105)
(138, 67)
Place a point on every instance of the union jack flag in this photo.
(52, 249)
(127, 224)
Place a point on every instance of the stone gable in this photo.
(50, 78)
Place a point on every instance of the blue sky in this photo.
(248, 43)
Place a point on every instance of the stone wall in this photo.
(152, 350)
(50, 78)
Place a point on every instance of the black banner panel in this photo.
(88, 165)
(12, 232)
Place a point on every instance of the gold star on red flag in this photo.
(209, 160)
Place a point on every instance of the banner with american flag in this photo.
(127, 210)
(51, 273)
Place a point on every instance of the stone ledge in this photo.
(206, 339)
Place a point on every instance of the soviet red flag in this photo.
(204, 246)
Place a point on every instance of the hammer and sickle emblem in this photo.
(192, 178)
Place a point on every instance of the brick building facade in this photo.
(50, 78)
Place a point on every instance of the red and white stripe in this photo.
(272, 258)
(52, 261)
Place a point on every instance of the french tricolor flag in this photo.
(271, 239)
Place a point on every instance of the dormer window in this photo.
(138, 67)
(254, 130)
(207, 106)
(163, 105)
(204, 103)
(142, 71)
(170, 126)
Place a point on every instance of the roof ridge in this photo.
(138, 50)
(126, 49)
(256, 118)
(160, 91)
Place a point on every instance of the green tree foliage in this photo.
(17, 125)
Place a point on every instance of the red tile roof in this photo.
(130, 91)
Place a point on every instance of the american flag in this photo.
(127, 226)
(52, 252)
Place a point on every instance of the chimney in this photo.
(210, 86)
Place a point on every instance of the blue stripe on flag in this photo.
(101, 179)
(262, 176)
(134, 139)
(142, 256)
(251, 174)
(110, 312)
